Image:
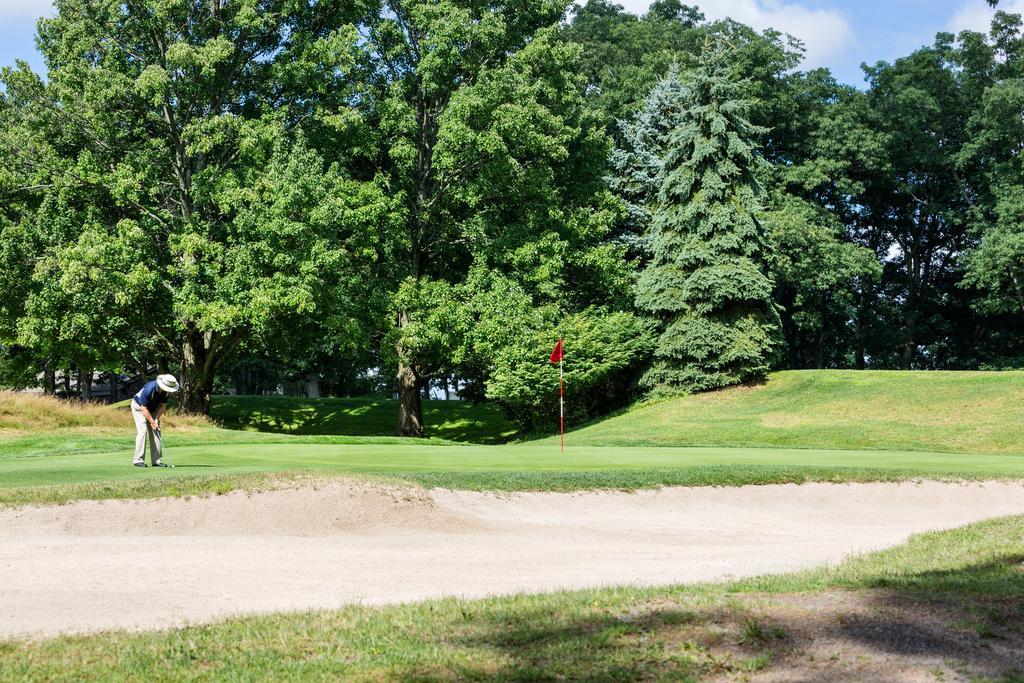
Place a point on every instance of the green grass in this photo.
(973, 576)
(952, 412)
(799, 426)
(447, 420)
(68, 476)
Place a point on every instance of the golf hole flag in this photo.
(557, 356)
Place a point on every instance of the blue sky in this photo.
(839, 34)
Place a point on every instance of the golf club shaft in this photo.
(163, 449)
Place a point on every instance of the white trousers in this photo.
(142, 430)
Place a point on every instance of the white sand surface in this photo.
(148, 564)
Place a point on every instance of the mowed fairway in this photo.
(520, 467)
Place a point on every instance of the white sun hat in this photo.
(168, 383)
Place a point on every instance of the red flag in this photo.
(556, 355)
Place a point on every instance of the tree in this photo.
(636, 164)
(913, 203)
(707, 282)
(496, 163)
(175, 127)
(818, 272)
(819, 267)
(922, 202)
(624, 55)
(996, 266)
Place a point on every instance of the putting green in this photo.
(228, 459)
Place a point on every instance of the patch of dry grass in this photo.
(23, 412)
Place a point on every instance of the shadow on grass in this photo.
(537, 644)
(451, 420)
(968, 623)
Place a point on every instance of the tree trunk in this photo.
(49, 381)
(312, 384)
(910, 347)
(912, 305)
(67, 383)
(115, 387)
(860, 362)
(410, 408)
(822, 332)
(85, 384)
(197, 367)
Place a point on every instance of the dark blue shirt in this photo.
(151, 396)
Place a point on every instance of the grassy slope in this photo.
(973, 576)
(959, 412)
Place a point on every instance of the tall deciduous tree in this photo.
(996, 145)
(173, 126)
(921, 207)
(624, 54)
(708, 280)
(485, 141)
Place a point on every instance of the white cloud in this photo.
(976, 15)
(25, 9)
(825, 32)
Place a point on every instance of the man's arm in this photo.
(149, 416)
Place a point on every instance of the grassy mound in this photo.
(956, 412)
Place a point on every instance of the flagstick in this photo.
(561, 394)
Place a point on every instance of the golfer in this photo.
(147, 407)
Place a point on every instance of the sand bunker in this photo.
(157, 563)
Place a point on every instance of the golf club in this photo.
(163, 449)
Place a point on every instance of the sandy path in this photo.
(147, 564)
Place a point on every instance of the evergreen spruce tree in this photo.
(707, 282)
(636, 163)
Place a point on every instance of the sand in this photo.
(97, 565)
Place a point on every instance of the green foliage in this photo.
(603, 352)
(997, 265)
(624, 55)
(707, 281)
(497, 167)
(636, 164)
(817, 274)
(180, 212)
(346, 194)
